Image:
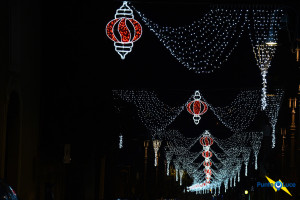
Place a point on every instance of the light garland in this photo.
(120, 141)
(241, 112)
(272, 111)
(177, 143)
(154, 114)
(206, 44)
(156, 145)
(169, 155)
(265, 25)
(181, 175)
(124, 43)
(256, 143)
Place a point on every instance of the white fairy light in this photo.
(177, 167)
(206, 44)
(169, 155)
(156, 145)
(246, 157)
(154, 114)
(240, 113)
(120, 141)
(265, 25)
(181, 175)
(272, 110)
(256, 143)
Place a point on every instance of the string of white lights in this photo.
(169, 155)
(272, 110)
(263, 32)
(206, 44)
(154, 114)
(240, 113)
(120, 141)
(256, 143)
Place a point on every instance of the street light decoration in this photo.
(197, 107)
(123, 30)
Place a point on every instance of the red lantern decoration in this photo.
(206, 140)
(125, 36)
(197, 107)
(207, 163)
(207, 154)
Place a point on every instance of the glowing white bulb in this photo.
(120, 141)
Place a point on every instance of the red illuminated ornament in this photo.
(197, 107)
(207, 172)
(207, 163)
(206, 140)
(124, 30)
(207, 154)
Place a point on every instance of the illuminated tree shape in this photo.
(123, 18)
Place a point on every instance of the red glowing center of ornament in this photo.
(207, 164)
(207, 154)
(197, 107)
(206, 141)
(126, 34)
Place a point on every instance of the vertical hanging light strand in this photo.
(272, 111)
(156, 146)
(265, 26)
(256, 143)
